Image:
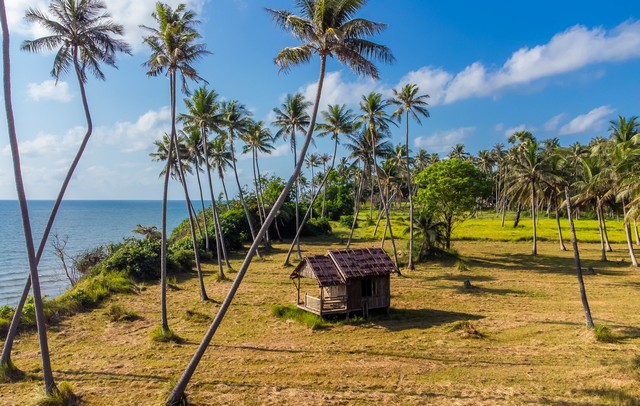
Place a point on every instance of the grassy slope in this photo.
(535, 347)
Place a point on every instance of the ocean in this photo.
(85, 223)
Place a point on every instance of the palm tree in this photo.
(326, 28)
(312, 161)
(220, 158)
(458, 152)
(429, 231)
(192, 141)
(527, 176)
(421, 160)
(324, 158)
(409, 104)
(237, 119)
(258, 140)
(82, 49)
(338, 120)
(203, 116)
(376, 122)
(177, 163)
(290, 117)
(174, 49)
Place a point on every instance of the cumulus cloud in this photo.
(509, 131)
(130, 13)
(590, 121)
(49, 90)
(279, 151)
(567, 51)
(554, 122)
(139, 135)
(443, 141)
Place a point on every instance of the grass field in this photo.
(525, 342)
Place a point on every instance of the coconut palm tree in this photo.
(237, 120)
(312, 161)
(458, 152)
(203, 116)
(84, 36)
(326, 28)
(409, 104)
(376, 122)
(220, 158)
(338, 120)
(174, 49)
(292, 116)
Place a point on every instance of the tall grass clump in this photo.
(117, 313)
(603, 334)
(465, 328)
(159, 337)
(288, 312)
(62, 396)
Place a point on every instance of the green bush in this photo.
(288, 312)
(603, 334)
(347, 221)
(4, 327)
(183, 259)
(316, 227)
(138, 258)
(90, 258)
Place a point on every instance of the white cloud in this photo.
(554, 122)
(336, 91)
(443, 141)
(590, 121)
(279, 151)
(509, 131)
(139, 135)
(130, 13)
(499, 127)
(431, 81)
(49, 90)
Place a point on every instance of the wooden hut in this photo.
(349, 281)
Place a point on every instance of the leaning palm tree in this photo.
(338, 121)
(84, 36)
(292, 116)
(409, 104)
(237, 119)
(174, 49)
(326, 28)
(376, 122)
(202, 116)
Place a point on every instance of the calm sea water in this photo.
(86, 223)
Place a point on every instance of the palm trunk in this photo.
(380, 213)
(627, 231)
(534, 249)
(13, 328)
(635, 228)
(576, 257)
(410, 265)
(603, 255)
(192, 215)
(384, 203)
(224, 187)
(356, 209)
(49, 382)
(604, 232)
(297, 190)
(240, 194)
(371, 196)
(313, 191)
(324, 190)
(195, 217)
(504, 212)
(518, 213)
(313, 199)
(562, 247)
(214, 208)
(204, 213)
(178, 390)
(261, 200)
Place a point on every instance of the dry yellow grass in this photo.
(535, 347)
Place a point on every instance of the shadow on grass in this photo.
(614, 396)
(405, 319)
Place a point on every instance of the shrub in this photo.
(347, 221)
(183, 259)
(138, 258)
(603, 334)
(4, 327)
(316, 227)
(88, 259)
(62, 396)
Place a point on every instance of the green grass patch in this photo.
(465, 329)
(117, 313)
(159, 336)
(197, 317)
(63, 396)
(10, 373)
(603, 334)
(289, 312)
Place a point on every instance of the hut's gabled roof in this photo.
(340, 265)
(321, 268)
(362, 262)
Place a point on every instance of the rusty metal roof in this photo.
(340, 265)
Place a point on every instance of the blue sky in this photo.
(559, 69)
